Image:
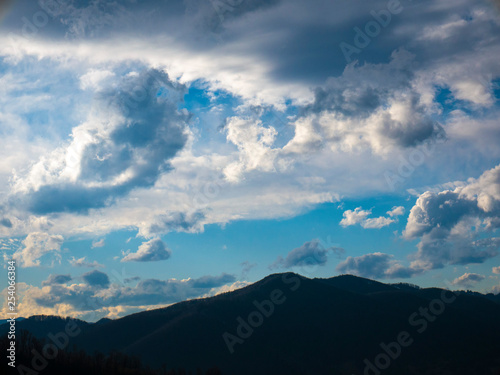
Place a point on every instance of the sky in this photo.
(157, 151)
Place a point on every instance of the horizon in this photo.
(159, 151)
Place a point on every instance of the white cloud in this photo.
(94, 79)
(396, 211)
(151, 251)
(360, 216)
(357, 216)
(82, 262)
(453, 226)
(36, 245)
(468, 279)
(254, 143)
(98, 243)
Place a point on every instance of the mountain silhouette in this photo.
(290, 324)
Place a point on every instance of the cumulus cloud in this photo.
(360, 216)
(96, 279)
(151, 251)
(357, 216)
(376, 265)
(450, 223)
(396, 211)
(496, 270)
(311, 253)
(36, 245)
(173, 221)
(468, 279)
(57, 279)
(254, 143)
(356, 111)
(82, 262)
(127, 141)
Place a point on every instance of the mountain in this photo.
(289, 324)
(3, 321)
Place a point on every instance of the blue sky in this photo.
(159, 151)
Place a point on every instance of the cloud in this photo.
(254, 143)
(6, 222)
(98, 243)
(357, 111)
(450, 224)
(468, 279)
(36, 245)
(496, 270)
(246, 268)
(213, 281)
(82, 262)
(151, 251)
(357, 216)
(173, 221)
(96, 279)
(131, 279)
(94, 79)
(57, 279)
(396, 211)
(360, 216)
(348, 130)
(132, 132)
(376, 265)
(311, 253)
(98, 294)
